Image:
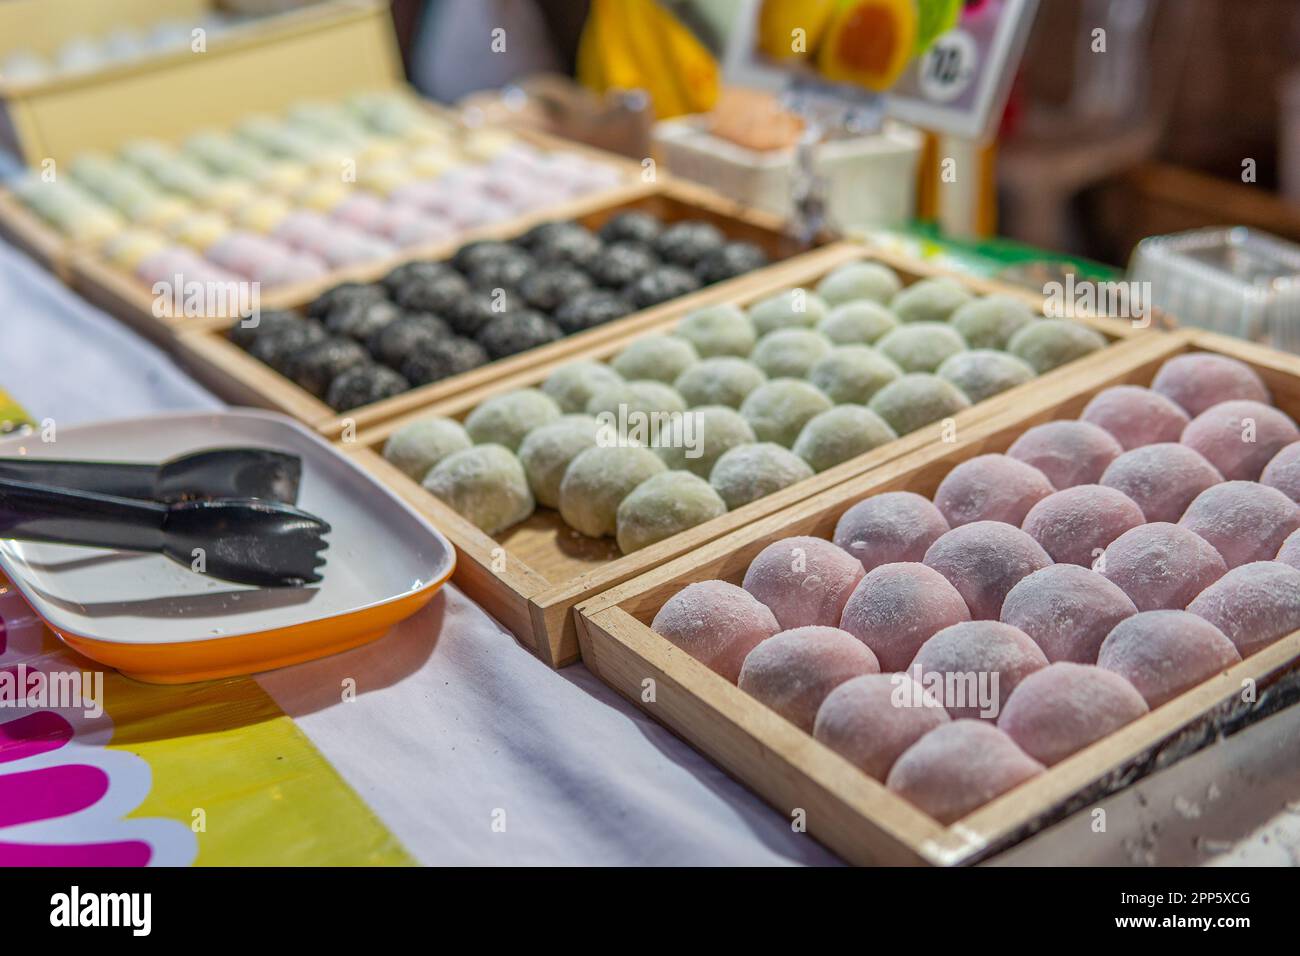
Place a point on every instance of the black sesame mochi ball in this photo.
(276, 346)
(395, 341)
(568, 243)
(248, 329)
(432, 292)
(686, 243)
(317, 365)
(733, 259)
(360, 319)
(517, 332)
(622, 263)
(631, 227)
(660, 285)
(589, 309)
(348, 292)
(440, 358)
(472, 255)
(501, 272)
(548, 288)
(363, 385)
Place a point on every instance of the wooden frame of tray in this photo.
(846, 810)
(532, 576)
(231, 371)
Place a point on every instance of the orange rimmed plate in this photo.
(156, 621)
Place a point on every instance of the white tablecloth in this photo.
(454, 722)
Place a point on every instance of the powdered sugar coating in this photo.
(1067, 611)
(778, 410)
(1243, 520)
(1162, 566)
(1254, 605)
(659, 358)
(958, 767)
(572, 385)
(1239, 438)
(1062, 708)
(713, 431)
(1074, 526)
(1163, 653)
(983, 373)
(547, 451)
(889, 528)
(1289, 553)
(1136, 416)
(1200, 380)
(921, 346)
(991, 488)
(746, 473)
(984, 560)
(853, 373)
(870, 721)
(790, 353)
(970, 657)
(506, 419)
(485, 484)
(841, 433)
(417, 447)
(1283, 472)
(898, 607)
(1161, 479)
(716, 623)
(664, 505)
(917, 400)
(792, 672)
(723, 380)
(1068, 453)
(803, 580)
(597, 481)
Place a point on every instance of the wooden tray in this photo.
(532, 575)
(231, 371)
(847, 810)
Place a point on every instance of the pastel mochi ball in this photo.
(1243, 520)
(1059, 710)
(1289, 553)
(984, 560)
(716, 623)
(1162, 566)
(1254, 605)
(1136, 416)
(871, 720)
(1240, 437)
(898, 607)
(897, 526)
(1067, 611)
(793, 671)
(991, 488)
(958, 767)
(1069, 453)
(977, 664)
(803, 580)
(1283, 472)
(1163, 653)
(1200, 380)
(1074, 526)
(1162, 479)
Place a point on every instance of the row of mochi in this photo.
(872, 642)
(907, 367)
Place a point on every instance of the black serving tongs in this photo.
(245, 540)
(213, 473)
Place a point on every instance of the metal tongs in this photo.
(227, 513)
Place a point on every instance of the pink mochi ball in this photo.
(1163, 653)
(1136, 416)
(1161, 479)
(871, 720)
(1283, 472)
(1289, 553)
(1200, 380)
(1067, 611)
(1068, 453)
(889, 528)
(717, 623)
(991, 488)
(897, 607)
(1162, 566)
(793, 671)
(1243, 520)
(958, 767)
(804, 580)
(973, 666)
(1074, 526)
(1240, 438)
(984, 561)
(1062, 708)
(1255, 604)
